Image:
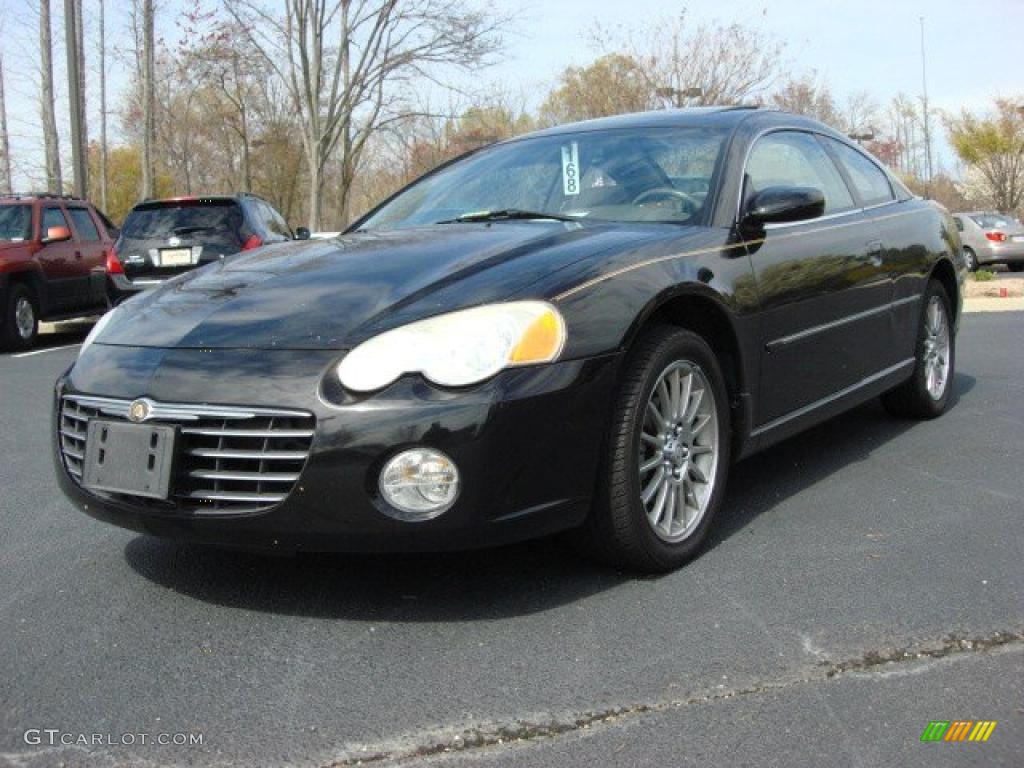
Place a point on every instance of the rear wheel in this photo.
(970, 259)
(926, 393)
(21, 319)
(664, 476)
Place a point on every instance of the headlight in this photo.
(459, 348)
(97, 330)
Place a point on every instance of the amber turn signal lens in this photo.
(541, 342)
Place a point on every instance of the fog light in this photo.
(420, 484)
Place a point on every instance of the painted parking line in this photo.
(44, 351)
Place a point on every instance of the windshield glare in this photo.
(989, 220)
(646, 174)
(15, 223)
(164, 221)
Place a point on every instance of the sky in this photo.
(973, 50)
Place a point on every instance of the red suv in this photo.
(53, 263)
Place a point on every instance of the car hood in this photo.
(333, 294)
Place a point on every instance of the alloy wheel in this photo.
(679, 449)
(936, 348)
(24, 317)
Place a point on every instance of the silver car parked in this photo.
(991, 238)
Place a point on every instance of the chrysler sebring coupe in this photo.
(577, 330)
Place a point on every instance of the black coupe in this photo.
(579, 329)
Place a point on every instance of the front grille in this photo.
(229, 458)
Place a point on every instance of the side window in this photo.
(84, 225)
(870, 181)
(791, 158)
(52, 217)
(274, 222)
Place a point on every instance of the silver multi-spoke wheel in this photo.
(678, 451)
(936, 348)
(25, 317)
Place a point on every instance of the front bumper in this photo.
(527, 444)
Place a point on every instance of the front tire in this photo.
(926, 394)
(21, 319)
(664, 475)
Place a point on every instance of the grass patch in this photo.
(983, 275)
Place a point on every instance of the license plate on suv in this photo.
(128, 458)
(176, 257)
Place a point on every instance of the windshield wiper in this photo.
(190, 230)
(507, 214)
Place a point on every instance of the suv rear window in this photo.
(15, 223)
(160, 221)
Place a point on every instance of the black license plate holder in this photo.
(134, 459)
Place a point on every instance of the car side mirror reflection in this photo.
(57, 235)
(301, 233)
(776, 205)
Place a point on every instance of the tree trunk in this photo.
(316, 184)
(103, 108)
(54, 182)
(5, 143)
(148, 102)
(76, 95)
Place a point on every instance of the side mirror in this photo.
(57, 235)
(301, 233)
(776, 205)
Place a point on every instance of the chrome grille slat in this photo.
(225, 432)
(255, 455)
(230, 458)
(265, 477)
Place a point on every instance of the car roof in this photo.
(31, 197)
(726, 116)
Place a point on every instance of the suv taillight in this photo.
(253, 242)
(114, 265)
(996, 237)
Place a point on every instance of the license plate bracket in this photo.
(134, 459)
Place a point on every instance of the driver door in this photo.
(824, 292)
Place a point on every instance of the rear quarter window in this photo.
(868, 179)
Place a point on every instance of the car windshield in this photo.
(182, 218)
(15, 223)
(993, 220)
(640, 174)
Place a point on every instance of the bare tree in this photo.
(346, 63)
(148, 101)
(806, 96)
(103, 104)
(5, 142)
(52, 147)
(723, 63)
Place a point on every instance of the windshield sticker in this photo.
(571, 169)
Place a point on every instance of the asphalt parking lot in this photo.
(865, 578)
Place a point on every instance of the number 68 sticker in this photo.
(571, 169)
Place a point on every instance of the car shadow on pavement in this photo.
(759, 483)
(489, 584)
